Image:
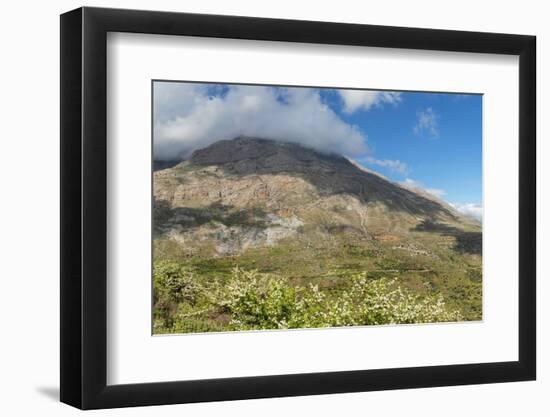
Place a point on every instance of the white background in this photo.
(30, 204)
(134, 356)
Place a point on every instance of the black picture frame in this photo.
(84, 207)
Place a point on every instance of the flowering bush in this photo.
(382, 301)
(258, 301)
(174, 280)
(174, 286)
(250, 300)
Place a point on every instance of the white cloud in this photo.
(394, 165)
(470, 209)
(473, 210)
(354, 100)
(417, 185)
(426, 123)
(191, 116)
(438, 192)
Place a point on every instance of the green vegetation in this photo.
(299, 283)
(249, 300)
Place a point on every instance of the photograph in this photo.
(289, 207)
(262, 209)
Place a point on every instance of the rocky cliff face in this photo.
(328, 174)
(248, 193)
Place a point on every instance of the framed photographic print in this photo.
(258, 207)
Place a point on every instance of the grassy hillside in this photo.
(332, 269)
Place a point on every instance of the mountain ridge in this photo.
(257, 192)
(254, 156)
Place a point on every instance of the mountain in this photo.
(251, 192)
(313, 217)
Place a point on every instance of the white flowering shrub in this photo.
(258, 301)
(382, 301)
(174, 286)
(174, 280)
(251, 300)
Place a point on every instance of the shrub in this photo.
(381, 301)
(258, 301)
(174, 280)
(173, 284)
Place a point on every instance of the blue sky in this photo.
(437, 136)
(431, 141)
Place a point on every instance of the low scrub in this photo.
(250, 300)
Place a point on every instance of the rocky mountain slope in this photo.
(245, 193)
